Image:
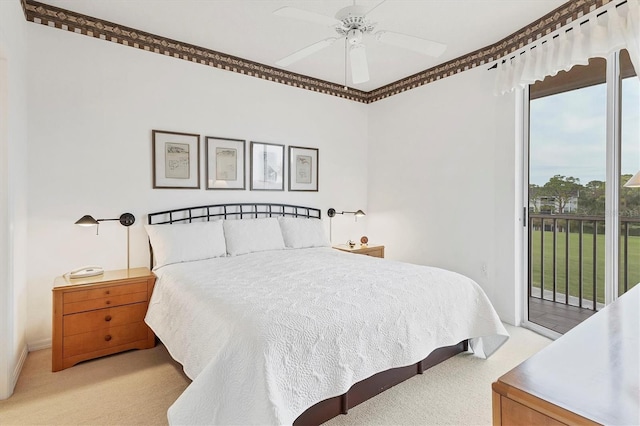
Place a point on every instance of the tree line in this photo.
(556, 195)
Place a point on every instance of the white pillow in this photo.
(303, 233)
(251, 235)
(185, 242)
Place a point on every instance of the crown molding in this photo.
(67, 20)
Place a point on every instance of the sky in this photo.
(568, 131)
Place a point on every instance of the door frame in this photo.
(612, 189)
(6, 284)
(523, 106)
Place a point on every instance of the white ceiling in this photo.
(248, 29)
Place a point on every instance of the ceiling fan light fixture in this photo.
(354, 36)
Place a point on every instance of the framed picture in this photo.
(176, 160)
(267, 167)
(303, 169)
(225, 163)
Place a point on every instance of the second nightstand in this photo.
(100, 315)
(369, 250)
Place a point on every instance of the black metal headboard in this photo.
(229, 211)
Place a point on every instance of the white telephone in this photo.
(86, 271)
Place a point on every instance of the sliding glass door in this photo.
(575, 141)
(629, 200)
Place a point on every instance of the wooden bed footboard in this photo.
(378, 383)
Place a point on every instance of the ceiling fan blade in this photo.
(359, 65)
(374, 8)
(305, 51)
(420, 45)
(295, 13)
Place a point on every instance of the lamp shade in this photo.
(634, 182)
(86, 220)
(359, 213)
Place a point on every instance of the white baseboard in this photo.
(19, 365)
(34, 346)
(39, 344)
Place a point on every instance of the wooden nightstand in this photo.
(369, 250)
(101, 315)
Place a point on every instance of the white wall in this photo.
(442, 182)
(92, 106)
(434, 168)
(13, 200)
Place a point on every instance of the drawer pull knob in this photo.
(107, 318)
(108, 302)
(107, 337)
(107, 292)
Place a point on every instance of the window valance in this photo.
(608, 29)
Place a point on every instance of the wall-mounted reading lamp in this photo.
(634, 182)
(332, 212)
(125, 219)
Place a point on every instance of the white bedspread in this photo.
(266, 335)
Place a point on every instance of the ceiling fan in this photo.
(352, 24)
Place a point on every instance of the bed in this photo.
(274, 326)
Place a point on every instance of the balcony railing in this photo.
(566, 258)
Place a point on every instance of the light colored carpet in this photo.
(130, 388)
(455, 392)
(138, 387)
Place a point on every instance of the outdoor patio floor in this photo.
(556, 316)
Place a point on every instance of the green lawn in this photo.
(574, 263)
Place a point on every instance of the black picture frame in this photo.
(304, 170)
(175, 160)
(225, 163)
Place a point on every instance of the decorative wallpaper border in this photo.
(63, 19)
(552, 21)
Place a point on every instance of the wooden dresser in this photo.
(370, 250)
(591, 375)
(100, 315)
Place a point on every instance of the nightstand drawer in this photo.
(117, 290)
(378, 252)
(104, 302)
(104, 318)
(101, 339)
